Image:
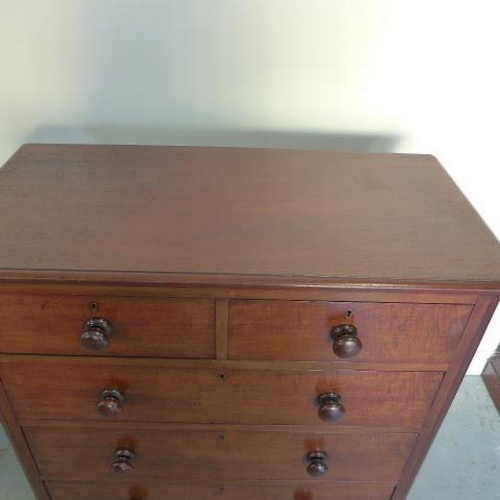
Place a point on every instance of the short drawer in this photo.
(58, 389)
(83, 453)
(150, 490)
(140, 326)
(387, 332)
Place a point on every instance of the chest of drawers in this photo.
(233, 323)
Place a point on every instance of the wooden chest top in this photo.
(182, 214)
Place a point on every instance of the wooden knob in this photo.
(96, 334)
(122, 463)
(346, 343)
(110, 403)
(331, 407)
(317, 466)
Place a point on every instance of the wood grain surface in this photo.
(151, 490)
(491, 379)
(300, 330)
(209, 211)
(87, 453)
(142, 326)
(392, 400)
(223, 272)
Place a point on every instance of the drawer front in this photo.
(141, 326)
(388, 332)
(225, 395)
(86, 453)
(160, 491)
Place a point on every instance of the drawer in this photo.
(157, 392)
(141, 326)
(84, 453)
(160, 491)
(301, 330)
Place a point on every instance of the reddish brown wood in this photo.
(244, 285)
(463, 354)
(110, 403)
(239, 263)
(141, 326)
(300, 330)
(221, 328)
(123, 461)
(317, 465)
(84, 454)
(345, 341)
(97, 334)
(299, 290)
(18, 441)
(491, 379)
(240, 211)
(330, 405)
(229, 395)
(280, 365)
(151, 490)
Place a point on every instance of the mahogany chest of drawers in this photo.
(234, 324)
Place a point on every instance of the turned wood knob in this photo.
(110, 403)
(346, 343)
(122, 463)
(331, 407)
(317, 466)
(96, 334)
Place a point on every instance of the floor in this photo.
(464, 461)
(463, 464)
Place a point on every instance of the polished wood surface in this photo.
(233, 323)
(491, 379)
(16, 435)
(110, 404)
(260, 212)
(176, 328)
(397, 400)
(330, 406)
(464, 352)
(345, 341)
(151, 490)
(252, 456)
(301, 330)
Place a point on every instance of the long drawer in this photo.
(58, 388)
(302, 330)
(84, 453)
(150, 490)
(140, 326)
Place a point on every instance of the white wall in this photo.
(235, 72)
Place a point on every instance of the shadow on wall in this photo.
(229, 138)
